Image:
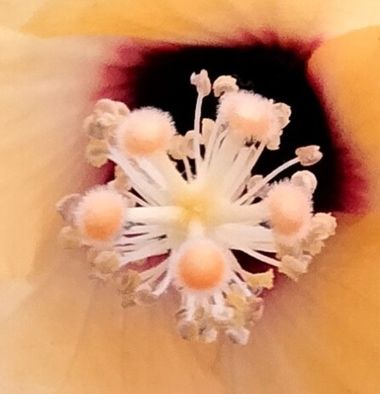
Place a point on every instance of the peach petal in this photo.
(72, 336)
(205, 21)
(15, 13)
(320, 335)
(345, 71)
(47, 87)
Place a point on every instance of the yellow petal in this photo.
(13, 293)
(15, 13)
(317, 336)
(46, 89)
(346, 72)
(204, 20)
(72, 336)
(321, 334)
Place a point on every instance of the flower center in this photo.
(199, 204)
(198, 213)
(272, 70)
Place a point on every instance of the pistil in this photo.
(199, 218)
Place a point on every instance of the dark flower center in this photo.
(161, 79)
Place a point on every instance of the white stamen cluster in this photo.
(179, 206)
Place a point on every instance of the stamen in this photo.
(224, 84)
(266, 180)
(194, 221)
(67, 205)
(305, 179)
(203, 85)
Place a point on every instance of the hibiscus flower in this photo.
(61, 332)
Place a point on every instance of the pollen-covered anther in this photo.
(283, 112)
(305, 179)
(69, 238)
(127, 284)
(208, 335)
(160, 224)
(145, 131)
(96, 152)
(201, 266)
(207, 128)
(145, 296)
(224, 84)
(176, 147)
(238, 335)
(289, 209)
(105, 264)
(121, 183)
(222, 314)
(202, 82)
(188, 329)
(100, 215)
(262, 280)
(188, 142)
(66, 207)
(256, 180)
(256, 310)
(106, 115)
(293, 267)
(323, 226)
(250, 116)
(309, 155)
